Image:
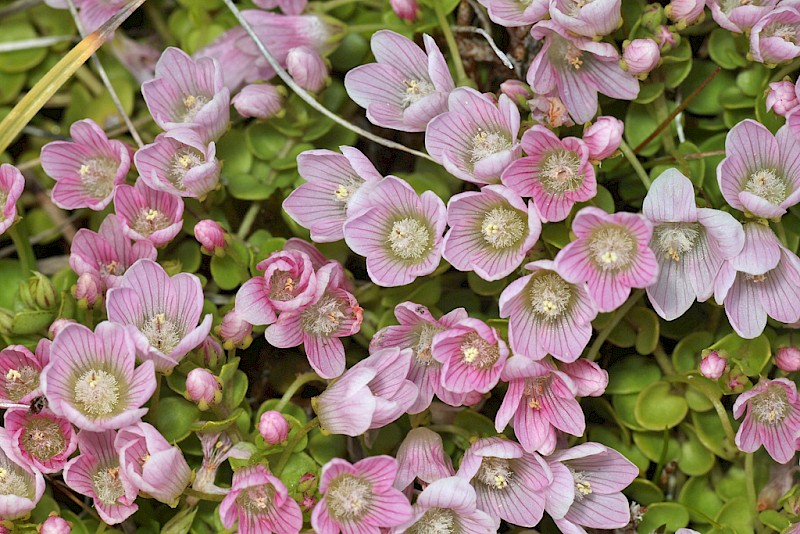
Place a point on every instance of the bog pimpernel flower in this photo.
(260, 502)
(42, 439)
(739, 15)
(259, 100)
(406, 88)
(588, 19)
(400, 234)
(556, 173)
(160, 312)
(19, 373)
(91, 379)
(289, 7)
(86, 169)
(11, 185)
(771, 418)
(21, 487)
(421, 456)
(477, 138)
(602, 138)
(776, 37)
(148, 214)
(513, 13)
(610, 254)
(307, 68)
(490, 231)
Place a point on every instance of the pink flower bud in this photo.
(211, 351)
(713, 365)
(685, 12)
(57, 326)
(55, 525)
(516, 90)
(87, 289)
(307, 68)
(603, 137)
(666, 39)
(641, 56)
(788, 359)
(273, 427)
(203, 388)
(210, 235)
(235, 331)
(782, 97)
(260, 101)
(405, 9)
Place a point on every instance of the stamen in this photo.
(344, 191)
(535, 389)
(415, 91)
(766, 183)
(771, 407)
(192, 105)
(612, 247)
(409, 239)
(559, 172)
(97, 176)
(20, 382)
(97, 392)
(422, 350)
(257, 500)
(676, 239)
(108, 485)
(13, 480)
(550, 295)
(349, 497)
(43, 438)
(478, 353)
(281, 286)
(485, 144)
(324, 317)
(184, 160)
(149, 221)
(494, 472)
(583, 486)
(435, 521)
(163, 333)
(503, 228)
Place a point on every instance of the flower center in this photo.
(108, 485)
(181, 162)
(20, 382)
(257, 500)
(149, 221)
(43, 438)
(755, 278)
(345, 190)
(574, 8)
(676, 239)
(162, 333)
(765, 183)
(3, 201)
(13, 480)
(349, 497)
(415, 91)
(787, 32)
(435, 521)
(583, 486)
(324, 317)
(729, 5)
(503, 228)
(97, 391)
(771, 407)
(478, 353)
(495, 472)
(422, 350)
(97, 176)
(535, 389)
(281, 286)
(485, 144)
(612, 247)
(112, 267)
(192, 105)
(409, 239)
(559, 172)
(549, 294)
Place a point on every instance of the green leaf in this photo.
(226, 272)
(709, 431)
(19, 60)
(181, 523)
(722, 49)
(686, 353)
(217, 426)
(476, 423)
(298, 465)
(695, 458)
(774, 520)
(649, 92)
(707, 102)
(234, 152)
(325, 448)
(658, 407)
(11, 275)
(31, 321)
(651, 444)
(631, 374)
(175, 417)
(647, 324)
(738, 515)
(624, 406)
(644, 492)
(485, 288)
(670, 514)
(556, 234)
(700, 499)
(264, 141)
(750, 354)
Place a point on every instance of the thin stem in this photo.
(295, 386)
(615, 319)
(213, 497)
(40, 42)
(749, 476)
(451, 429)
(27, 258)
(722, 413)
(287, 453)
(662, 113)
(630, 155)
(248, 220)
(441, 16)
(785, 71)
(310, 100)
(483, 33)
(663, 360)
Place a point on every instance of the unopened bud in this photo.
(788, 359)
(39, 293)
(55, 525)
(405, 9)
(712, 366)
(88, 289)
(307, 68)
(235, 331)
(273, 427)
(203, 388)
(211, 237)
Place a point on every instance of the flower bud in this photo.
(684, 12)
(603, 137)
(211, 352)
(203, 388)
(405, 9)
(55, 525)
(211, 237)
(307, 483)
(788, 359)
(712, 366)
(782, 97)
(640, 56)
(653, 17)
(57, 326)
(39, 293)
(260, 101)
(516, 90)
(235, 331)
(273, 427)
(307, 68)
(88, 289)
(666, 39)
(737, 380)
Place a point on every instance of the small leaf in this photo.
(175, 417)
(670, 514)
(658, 407)
(31, 321)
(632, 374)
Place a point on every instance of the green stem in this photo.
(248, 220)
(441, 16)
(451, 429)
(662, 113)
(287, 453)
(631, 157)
(615, 319)
(203, 496)
(27, 258)
(294, 387)
(749, 477)
(663, 360)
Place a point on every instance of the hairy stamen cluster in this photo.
(415, 91)
(612, 247)
(257, 499)
(349, 497)
(97, 392)
(344, 191)
(409, 238)
(485, 144)
(97, 176)
(676, 239)
(324, 317)
(43, 438)
(422, 350)
(770, 407)
(149, 221)
(495, 472)
(535, 389)
(767, 184)
(108, 485)
(281, 286)
(13, 480)
(549, 294)
(192, 105)
(503, 228)
(19, 382)
(162, 332)
(181, 162)
(583, 485)
(559, 172)
(435, 521)
(478, 353)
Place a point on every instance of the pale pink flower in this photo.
(139, 58)
(235, 331)
(55, 525)
(307, 68)
(782, 97)
(19, 373)
(549, 110)
(774, 39)
(421, 456)
(610, 254)
(203, 388)
(260, 101)
(603, 137)
(514, 13)
(359, 497)
(86, 169)
(641, 56)
(94, 13)
(472, 355)
(477, 138)
(587, 19)
(406, 88)
(556, 173)
(211, 236)
(273, 427)
(405, 9)
(589, 379)
(148, 214)
(22, 486)
(685, 12)
(516, 90)
(87, 289)
(217, 447)
(788, 359)
(771, 418)
(260, 503)
(11, 185)
(739, 16)
(712, 365)
(44, 440)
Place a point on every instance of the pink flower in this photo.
(43, 440)
(86, 169)
(289, 7)
(578, 68)
(516, 90)
(641, 56)
(541, 400)
(405, 9)
(19, 373)
(11, 185)
(400, 234)
(260, 101)
(58, 325)
(160, 312)
(151, 463)
(587, 377)
(139, 58)
(547, 314)
(94, 13)
(203, 388)
(477, 138)
(179, 162)
(23, 487)
(690, 243)
(148, 214)
(217, 447)
(372, 394)
(509, 482)
(210, 235)
(685, 12)
(260, 503)
(556, 173)
(332, 313)
(772, 418)
(108, 252)
(97, 473)
(359, 497)
(235, 331)
(549, 110)
(91, 379)
(421, 456)
(273, 427)
(610, 254)
(782, 98)
(774, 38)
(55, 525)
(788, 359)
(416, 331)
(406, 88)
(739, 16)
(188, 93)
(514, 13)
(337, 187)
(712, 365)
(603, 137)
(448, 505)
(762, 280)
(491, 231)
(472, 355)
(87, 289)
(592, 19)
(587, 485)
(307, 68)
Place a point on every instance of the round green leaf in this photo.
(226, 272)
(652, 446)
(658, 407)
(631, 374)
(686, 353)
(700, 499)
(695, 458)
(624, 405)
(644, 492)
(709, 431)
(175, 417)
(737, 515)
(324, 448)
(234, 152)
(670, 514)
(19, 60)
